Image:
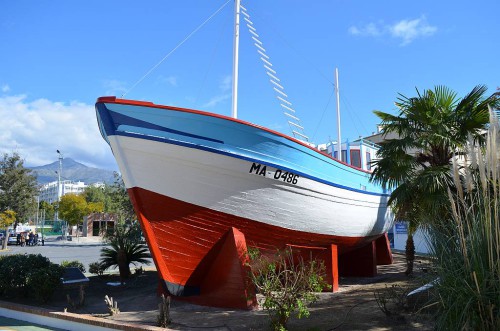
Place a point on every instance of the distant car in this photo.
(12, 239)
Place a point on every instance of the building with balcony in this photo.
(51, 192)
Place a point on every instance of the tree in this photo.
(7, 218)
(99, 194)
(430, 128)
(48, 209)
(125, 247)
(73, 207)
(18, 187)
(121, 204)
(125, 242)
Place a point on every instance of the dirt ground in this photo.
(352, 308)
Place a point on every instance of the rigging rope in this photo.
(210, 65)
(175, 48)
(287, 43)
(312, 64)
(323, 114)
(293, 121)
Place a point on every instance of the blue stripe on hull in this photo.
(230, 138)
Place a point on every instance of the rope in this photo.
(355, 119)
(287, 43)
(323, 114)
(294, 123)
(210, 66)
(175, 48)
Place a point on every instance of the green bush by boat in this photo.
(29, 274)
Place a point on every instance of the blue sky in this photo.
(57, 57)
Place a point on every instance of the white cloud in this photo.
(370, 29)
(5, 88)
(115, 87)
(216, 100)
(36, 129)
(225, 87)
(405, 30)
(408, 30)
(226, 83)
(170, 80)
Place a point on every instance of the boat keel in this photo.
(222, 277)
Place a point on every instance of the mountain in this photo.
(72, 170)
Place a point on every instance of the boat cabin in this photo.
(358, 153)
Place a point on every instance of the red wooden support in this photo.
(384, 254)
(224, 279)
(361, 262)
(326, 254)
(334, 267)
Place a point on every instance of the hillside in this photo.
(72, 170)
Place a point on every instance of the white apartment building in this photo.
(49, 192)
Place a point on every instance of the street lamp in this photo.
(59, 189)
(37, 221)
(59, 173)
(38, 216)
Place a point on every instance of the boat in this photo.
(205, 187)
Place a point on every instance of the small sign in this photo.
(73, 275)
(401, 228)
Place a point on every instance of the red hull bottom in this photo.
(201, 252)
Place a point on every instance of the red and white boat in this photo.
(206, 186)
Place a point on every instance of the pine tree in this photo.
(18, 188)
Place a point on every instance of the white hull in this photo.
(225, 184)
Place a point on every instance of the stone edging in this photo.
(77, 318)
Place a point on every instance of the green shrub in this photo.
(96, 268)
(73, 264)
(19, 274)
(43, 282)
(16, 269)
(393, 300)
(287, 283)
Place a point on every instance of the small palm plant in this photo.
(125, 247)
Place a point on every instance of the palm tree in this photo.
(429, 130)
(125, 248)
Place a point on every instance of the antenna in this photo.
(236, 47)
(339, 142)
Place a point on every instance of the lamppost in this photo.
(59, 189)
(37, 221)
(59, 173)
